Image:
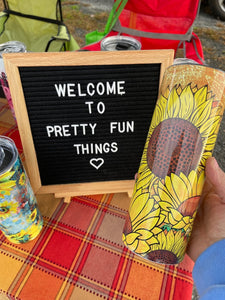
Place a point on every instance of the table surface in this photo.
(79, 253)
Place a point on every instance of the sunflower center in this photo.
(4, 209)
(175, 146)
(163, 257)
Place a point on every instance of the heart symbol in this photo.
(97, 162)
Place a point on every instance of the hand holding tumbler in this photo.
(170, 178)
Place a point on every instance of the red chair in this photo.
(159, 24)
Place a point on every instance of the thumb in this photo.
(216, 177)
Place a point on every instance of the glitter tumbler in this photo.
(20, 219)
(169, 183)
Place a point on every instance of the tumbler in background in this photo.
(9, 47)
(20, 219)
(170, 178)
(120, 43)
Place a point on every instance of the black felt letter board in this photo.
(89, 123)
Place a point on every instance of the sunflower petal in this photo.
(7, 185)
(200, 183)
(179, 225)
(162, 239)
(187, 183)
(201, 114)
(187, 103)
(143, 166)
(179, 242)
(123, 237)
(133, 246)
(210, 142)
(135, 195)
(6, 176)
(187, 219)
(179, 90)
(156, 198)
(153, 240)
(145, 180)
(165, 205)
(173, 104)
(142, 247)
(131, 237)
(171, 192)
(177, 216)
(193, 181)
(156, 230)
(144, 234)
(162, 218)
(167, 92)
(209, 127)
(159, 112)
(147, 224)
(179, 188)
(165, 196)
(138, 206)
(170, 240)
(201, 95)
(145, 212)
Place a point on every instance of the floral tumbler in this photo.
(20, 219)
(170, 178)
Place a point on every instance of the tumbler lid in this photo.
(181, 61)
(120, 43)
(12, 47)
(8, 154)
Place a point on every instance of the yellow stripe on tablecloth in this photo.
(9, 269)
(174, 278)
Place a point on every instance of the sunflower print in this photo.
(7, 208)
(20, 219)
(172, 245)
(6, 184)
(144, 216)
(27, 234)
(170, 178)
(178, 199)
(22, 179)
(184, 127)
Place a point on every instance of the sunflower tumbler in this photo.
(169, 183)
(20, 219)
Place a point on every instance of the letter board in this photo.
(83, 117)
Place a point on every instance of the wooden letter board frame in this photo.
(12, 64)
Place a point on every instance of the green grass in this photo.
(80, 23)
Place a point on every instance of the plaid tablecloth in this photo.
(79, 254)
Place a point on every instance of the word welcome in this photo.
(91, 89)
